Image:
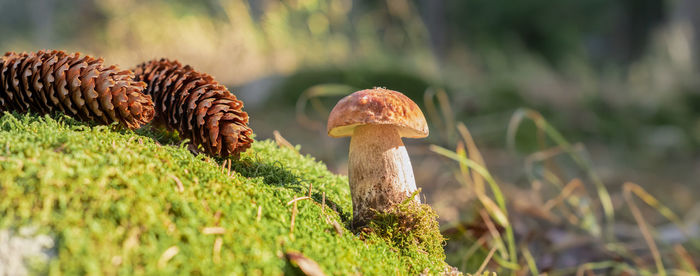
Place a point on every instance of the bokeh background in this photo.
(617, 79)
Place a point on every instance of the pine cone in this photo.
(80, 87)
(197, 106)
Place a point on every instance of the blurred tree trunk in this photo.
(689, 10)
(433, 12)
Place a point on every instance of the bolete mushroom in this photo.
(379, 169)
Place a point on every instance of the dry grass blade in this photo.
(223, 166)
(493, 209)
(463, 176)
(473, 153)
(486, 262)
(281, 142)
(180, 187)
(686, 260)
(336, 226)
(294, 215)
(574, 203)
(218, 243)
(217, 217)
(472, 249)
(627, 193)
(565, 193)
(552, 133)
(297, 199)
(550, 177)
(494, 233)
(306, 265)
(213, 230)
(167, 255)
(546, 155)
(498, 210)
(654, 203)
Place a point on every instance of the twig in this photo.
(294, 215)
(217, 217)
(297, 199)
(223, 166)
(217, 249)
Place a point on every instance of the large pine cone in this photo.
(80, 87)
(197, 106)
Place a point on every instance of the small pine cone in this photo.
(197, 106)
(80, 87)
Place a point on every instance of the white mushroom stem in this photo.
(379, 169)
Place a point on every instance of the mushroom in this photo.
(379, 169)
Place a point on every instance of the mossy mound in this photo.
(409, 226)
(118, 202)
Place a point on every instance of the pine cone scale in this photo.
(14, 85)
(87, 85)
(33, 95)
(76, 95)
(102, 88)
(79, 86)
(47, 80)
(39, 87)
(60, 85)
(63, 96)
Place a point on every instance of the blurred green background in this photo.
(620, 79)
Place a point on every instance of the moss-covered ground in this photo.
(123, 202)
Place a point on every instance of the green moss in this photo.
(412, 229)
(111, 201)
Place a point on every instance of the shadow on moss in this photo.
(275, 174)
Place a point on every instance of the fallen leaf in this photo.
(306, 265)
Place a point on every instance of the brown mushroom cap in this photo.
(378, 106)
